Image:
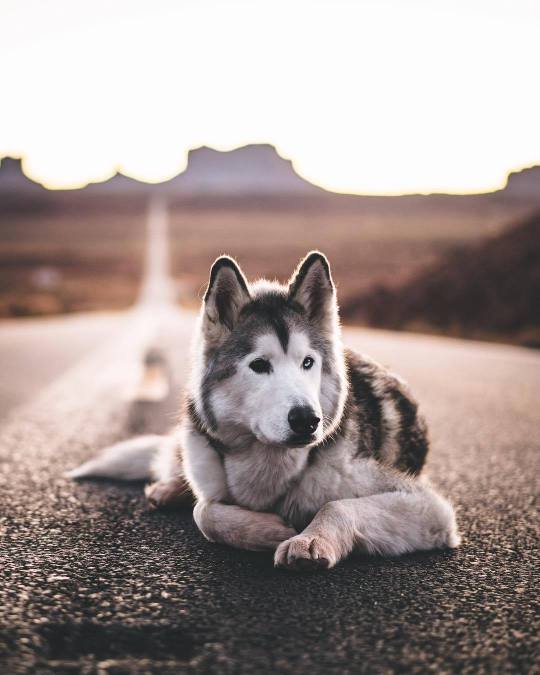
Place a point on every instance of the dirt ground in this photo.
(75, 255)
(70, 252)
(370, 241)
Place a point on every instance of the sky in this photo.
(374, 96)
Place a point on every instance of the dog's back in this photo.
(384, 414)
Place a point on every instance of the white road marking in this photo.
(157, 286)
(119, 363)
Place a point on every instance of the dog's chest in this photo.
(337, 474)
(259, 477)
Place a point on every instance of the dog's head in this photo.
(271, 362)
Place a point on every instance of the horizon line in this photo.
(116, 171)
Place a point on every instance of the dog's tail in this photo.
(129, 460)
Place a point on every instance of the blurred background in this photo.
(400, 138)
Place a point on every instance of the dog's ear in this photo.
(312, 287)
(226, 294)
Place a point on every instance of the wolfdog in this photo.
(288, 442)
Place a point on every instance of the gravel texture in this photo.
(93, 582)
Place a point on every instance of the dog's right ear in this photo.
(226, 294)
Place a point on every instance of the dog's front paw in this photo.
(306, 552)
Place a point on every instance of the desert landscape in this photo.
(63, 252)
(155, 466)
(67, 251)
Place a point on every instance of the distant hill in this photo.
(246, 171)
(255, 169)
(13, 179)
(524, 183)
(18, 193)
(487, 290)
(252, 169)
(249, 170)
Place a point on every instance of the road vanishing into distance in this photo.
(94, 582)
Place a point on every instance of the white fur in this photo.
(203, 467)
(127, 460)
(261, 402)
(239, 527)
(253, 494)
(389, 523)
(359, 505)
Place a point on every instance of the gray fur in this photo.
(370, 452)
(354, 484)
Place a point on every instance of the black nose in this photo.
(303, 420)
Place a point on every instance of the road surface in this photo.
(93, 582)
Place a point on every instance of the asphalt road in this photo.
(92, 582)
(35, 352)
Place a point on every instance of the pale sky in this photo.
(374, 96)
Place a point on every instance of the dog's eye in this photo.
(260, 366)
(307, 363)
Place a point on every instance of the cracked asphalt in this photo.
(93, 582)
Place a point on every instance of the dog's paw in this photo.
(171, 494)
(306, 552)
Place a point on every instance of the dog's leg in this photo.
(171, 494)
(239, 527)
(390, 523)
(171, 489)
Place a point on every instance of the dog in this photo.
(289, 442)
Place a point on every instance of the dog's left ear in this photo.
(313, 288)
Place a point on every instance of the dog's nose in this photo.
(303, 420)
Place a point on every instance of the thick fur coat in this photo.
(288, 441)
